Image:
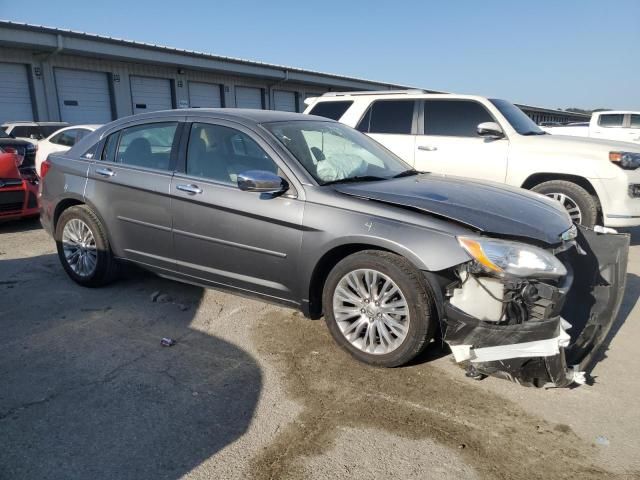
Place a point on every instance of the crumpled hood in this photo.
(485, 206)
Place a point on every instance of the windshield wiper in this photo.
(534, 133)
(408, 173)
(362, 178)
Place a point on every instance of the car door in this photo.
(449, 142)
(610, 126)
(393, 124)
(225, 236)
(129, 188)
(633, 133)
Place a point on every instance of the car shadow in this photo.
(20, 225)
(89, 392)
(635, 234)
(629, 300)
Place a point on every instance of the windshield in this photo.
(332, 152)
(4, 134)
(517, 118)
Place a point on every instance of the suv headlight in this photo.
(504, 258)
(626, 160)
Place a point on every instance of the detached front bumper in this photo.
(559, 341)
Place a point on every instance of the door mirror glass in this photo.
(490, 130)
(261, 181)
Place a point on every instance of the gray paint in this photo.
(253, 242)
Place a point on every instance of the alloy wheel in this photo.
(371, 311)
(569, 204)
(79, 246)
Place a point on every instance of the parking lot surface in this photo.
(251, 390)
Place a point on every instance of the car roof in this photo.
(33, 124)
(241, 115)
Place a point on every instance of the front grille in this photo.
(32, 201)
(11, 201)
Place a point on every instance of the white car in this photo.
(32, 131)
(598, 181)
(61, 141)
(617, 125)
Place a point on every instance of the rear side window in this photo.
(109, 151)
(147, 146)
(332, 110)
(388, 116)
(454, 118)
(27, 132)
(68, 138)
(635, 121)
(611, 120)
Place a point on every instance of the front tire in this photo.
(83, 248)
(579, 203)
(379, 308)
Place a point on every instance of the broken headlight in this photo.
(504, 258)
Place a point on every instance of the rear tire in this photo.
(396, 338)
(572, 196)
(83, 247)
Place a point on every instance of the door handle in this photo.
(427, 148)
(105, 172)
(191, 189)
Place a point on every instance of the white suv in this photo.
(598, 181)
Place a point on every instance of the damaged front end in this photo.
(533, 316)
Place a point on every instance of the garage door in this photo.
(83, 96)
(283, 100)
(150, 94)
(249, 97)
(15, 95)
(204, 95)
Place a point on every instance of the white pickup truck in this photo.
(610, 125)
(598, 181)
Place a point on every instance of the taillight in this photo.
(44, 168)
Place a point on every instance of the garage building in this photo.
(51, 74)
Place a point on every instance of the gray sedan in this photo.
(312, 214)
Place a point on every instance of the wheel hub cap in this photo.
(79, 247)
(371, 311)
(569, 204)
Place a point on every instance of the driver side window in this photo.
(220, 153)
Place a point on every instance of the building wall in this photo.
(45, 99)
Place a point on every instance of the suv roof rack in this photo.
(408, 91)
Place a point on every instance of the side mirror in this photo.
(490, 130)
(261, 181)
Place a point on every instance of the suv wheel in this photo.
(379, 308)
(83, 247)
(580, 204)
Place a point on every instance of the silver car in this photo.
(309, 213)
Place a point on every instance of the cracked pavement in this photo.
(254, 390)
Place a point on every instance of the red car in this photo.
(18, 188)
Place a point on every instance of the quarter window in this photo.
(388, 116)
(454, 118)
(635, 121)
(332, 110)
(221, 153)
(611, 120)
(147, 146)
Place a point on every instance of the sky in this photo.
(557, 54)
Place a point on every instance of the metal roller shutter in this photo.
(204, 95)
(249, 97)
(83, 96)
(283, 100)
(150, 94)
(15, 94)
